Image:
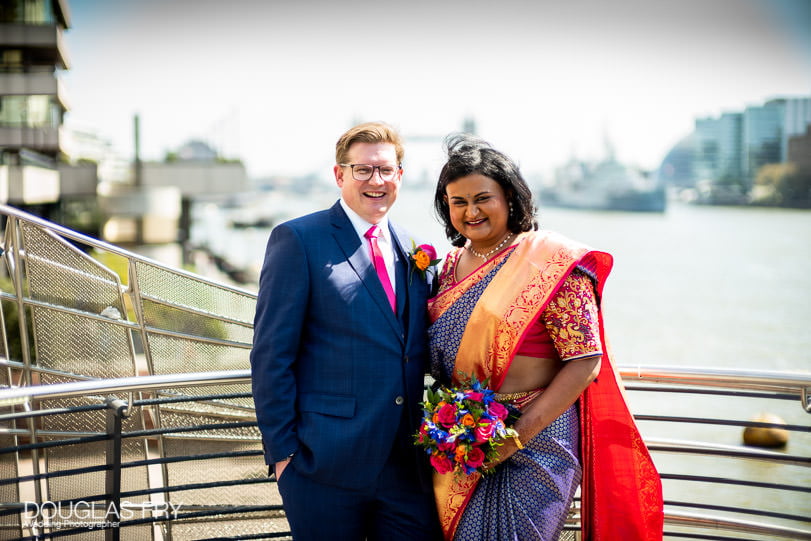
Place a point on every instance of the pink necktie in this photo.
(380, 264)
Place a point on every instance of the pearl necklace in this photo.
(491, 252)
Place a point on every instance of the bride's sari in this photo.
(477, 327)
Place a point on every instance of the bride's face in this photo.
(478, 209)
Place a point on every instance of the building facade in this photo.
(763, 128)
(731, 148)
(32, 101)
(797, 118)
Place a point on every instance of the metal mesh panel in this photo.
(68, 457)
(11, 330)
(229, 406)
(8, 492)
(133, 533)
(82, 345)
(80, 421)
(93, 454)
(90, 535)
(218, 469)
(183, 290)
(175, 319)
(171, 355)
(60, 274)
(221, 469)
(173, 419)
(228, 527)
(83, 421)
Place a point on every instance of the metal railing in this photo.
(76, 311)
(125, 411)
(232, 497)
(713, 485)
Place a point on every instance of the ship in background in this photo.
(604, 185)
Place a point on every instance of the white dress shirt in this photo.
(384, 240)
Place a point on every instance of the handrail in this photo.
(716, 376)
(737, 451)
(676, 518)
(21, 395)
(797, 383)
(792, 382)
(713, 377)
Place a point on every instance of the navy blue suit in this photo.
(337, 375)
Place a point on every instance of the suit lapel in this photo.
(405, 281)
(357, 255)
(401, 275)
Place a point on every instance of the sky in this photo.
(275, 82)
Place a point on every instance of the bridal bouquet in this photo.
(461, 427)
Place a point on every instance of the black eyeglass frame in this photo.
(352, 166)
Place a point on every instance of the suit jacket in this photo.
(333, 367)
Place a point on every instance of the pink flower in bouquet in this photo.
(446, 416)
(498, 409)
(475, 457)
(475, 396)
(441, 463)
(446, 446)
(485, 430)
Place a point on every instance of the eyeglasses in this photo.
(362, 172)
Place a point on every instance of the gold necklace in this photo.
(494, 250)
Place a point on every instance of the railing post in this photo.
(116, 411)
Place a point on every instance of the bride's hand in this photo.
(507, 449)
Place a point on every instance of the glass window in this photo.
(11, 60)
(38, 11)
(33, 111)
(11, 11)
(27, 11)
(12, 111)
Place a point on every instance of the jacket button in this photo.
(405, 358)
(399, 400)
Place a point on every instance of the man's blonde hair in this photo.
(368, 132)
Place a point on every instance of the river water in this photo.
(696, 286)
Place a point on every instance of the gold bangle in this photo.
(518, 443)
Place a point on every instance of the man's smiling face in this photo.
(370, 199)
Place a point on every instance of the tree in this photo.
(782, 184)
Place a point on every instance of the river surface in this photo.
(696, 286)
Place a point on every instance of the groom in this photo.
(339, 355)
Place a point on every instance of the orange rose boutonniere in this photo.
(421, 259)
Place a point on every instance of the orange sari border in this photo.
(452, 492)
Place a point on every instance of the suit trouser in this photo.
(395, 507)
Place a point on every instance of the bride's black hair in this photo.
(469, 155)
